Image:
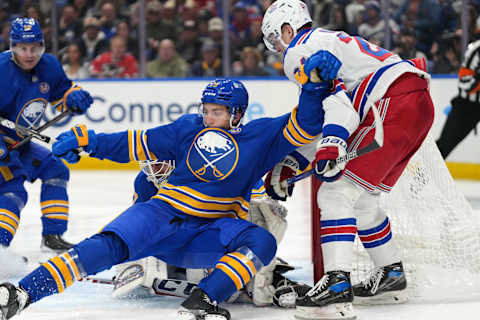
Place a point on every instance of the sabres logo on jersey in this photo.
(213, 155)
(32, 112)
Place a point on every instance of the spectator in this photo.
(108, 19)
(188, 44)
(74, 67)
(33, 11)
(354, 8)
(204, 17)
(123, 30)
(446, 53)
(210, 65)
(189, 11)
(423, 17)
(69, 29)
(240, 27)
(250, 64)
(4, 39)
(93, 42)
(171, 19)
(81, 8)
(373, 29)
(337, 20)
(168, 63)
(4, 14)
(157, 28)
(407, 46)
(116, 63)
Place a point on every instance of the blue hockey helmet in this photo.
(229, 93)
(25, 30)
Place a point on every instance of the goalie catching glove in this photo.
(67, 143)
(276, 184)
(329, 149)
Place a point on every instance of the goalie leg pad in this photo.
(138, 276)
(270, 215)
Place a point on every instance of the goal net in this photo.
(436, 229)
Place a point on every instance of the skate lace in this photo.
(319, 286)
(373, 280)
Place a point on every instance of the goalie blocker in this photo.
(151, 276)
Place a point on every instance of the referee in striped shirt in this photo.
(465, 112)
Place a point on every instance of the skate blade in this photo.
(336, 311)
(391, 297)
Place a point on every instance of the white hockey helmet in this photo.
(293, 12)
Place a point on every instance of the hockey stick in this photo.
(33, 133)
(161, 287)
(374, 145)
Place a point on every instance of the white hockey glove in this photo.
(328, 150)
(276, 181)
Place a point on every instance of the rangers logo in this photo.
(213, 155)
(44, 87)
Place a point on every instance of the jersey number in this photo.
(366, 47)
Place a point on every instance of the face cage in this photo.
(157, 171)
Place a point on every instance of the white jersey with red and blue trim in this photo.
(367, 70)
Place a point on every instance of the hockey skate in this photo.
(330, 299)
(52, 245)
(198, 306)
(12, 300)
(287, 291)
(385, 285)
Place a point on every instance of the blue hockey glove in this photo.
(3, 149)
(68, 142)
(326, 64)
(78, 100)
(276, 181)
(328, 150)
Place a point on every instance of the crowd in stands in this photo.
(99, 38)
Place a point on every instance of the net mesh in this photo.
(436, 229)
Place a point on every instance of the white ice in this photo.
(96, 197)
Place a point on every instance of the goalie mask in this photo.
(292, 12)
(26, 42)
(157, 171)
(229, 93)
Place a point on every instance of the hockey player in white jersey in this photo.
(349, 203)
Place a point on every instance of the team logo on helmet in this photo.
(32, 112)
(213, 155)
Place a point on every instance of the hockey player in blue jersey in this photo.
(30, 80)
(194, 220)
(269, 286)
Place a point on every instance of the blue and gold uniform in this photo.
(26, 92)
(29, 93)
(195, 220)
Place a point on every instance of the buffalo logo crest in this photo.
(213, 155)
